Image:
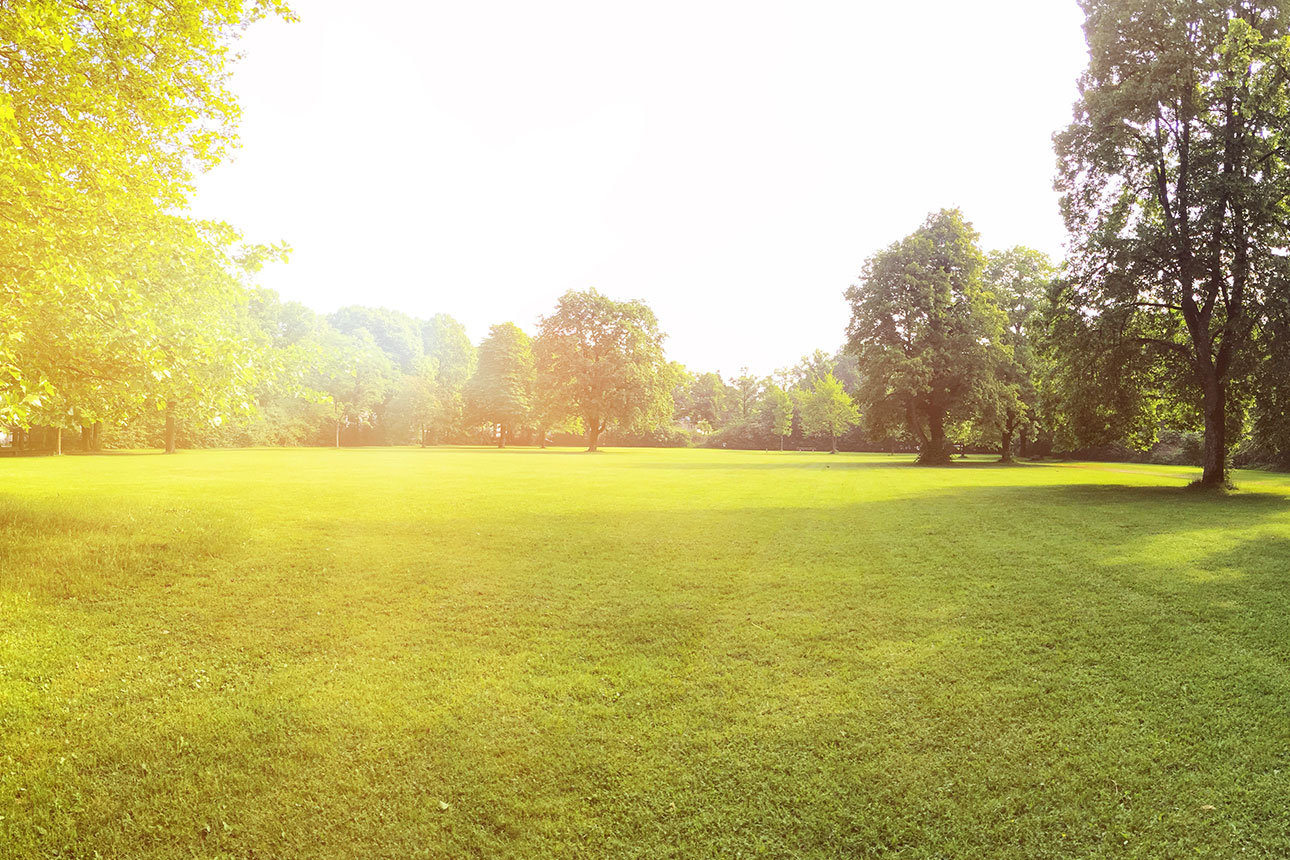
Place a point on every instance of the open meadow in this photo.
(453, 652)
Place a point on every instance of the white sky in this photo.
(733, 163)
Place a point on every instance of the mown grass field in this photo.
(470, 653)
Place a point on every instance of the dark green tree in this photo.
(922, 329)
(1175, 180)
(1007, 398)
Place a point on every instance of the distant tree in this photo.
(1175, 182)
(710, 400)
(809, 370)
(603, 361)
(357, 377)
(501, 391)
(922, 328)
(777, 412)
(747, 390)
(682, 392)
(445, 340)
(1007, 397)
(398, 335)
(826, 408)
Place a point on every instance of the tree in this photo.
(603, 361)
(444, 339)
(826, 408)
(1175, 177)
(356, 375)
(710, 400)
(747, 388)
(106, 113)
(501, 391)
(397, 334)
(777, 412)
(1007, 397)
(922, 329)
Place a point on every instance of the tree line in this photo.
(1165, 327)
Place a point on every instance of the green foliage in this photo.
(777, 412)
(711, 400)
(106, 112)
(924, 329)
(602, 360)
(398, 335)
(1006, 399)
(501, 391)
(826, 408)
(1175, 182)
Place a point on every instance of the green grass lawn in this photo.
(398, 653)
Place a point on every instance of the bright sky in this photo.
(731, 163)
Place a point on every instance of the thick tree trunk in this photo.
(1215, 408)
(593, 436)
(87, 438)
(170, 426)
(1005, 447)
(58, 441)
(935, 452)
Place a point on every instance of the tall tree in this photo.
(603, 361)
(1175, 181)
(106, 113)
(501, 391)
(826, 408)
(922, 329)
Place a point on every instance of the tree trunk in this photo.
(593, 436)
(501, 435)
(781, 443)
(338, 434)
(935, 452)
(170, 426)
(87, 437)
(1005, 447)
(1215, 407)
(833, 442)
(58, 441)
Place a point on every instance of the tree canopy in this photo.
(923, 328)
(1175, 185)
(501, 391)
(603, 361)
